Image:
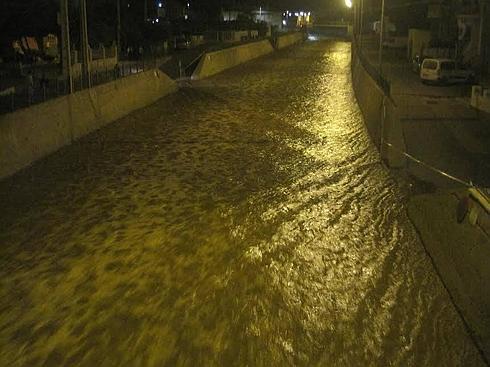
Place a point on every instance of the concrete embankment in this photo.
(289, 39)
(380, 113)
(458, 251)
(215, 62)
(32, 133)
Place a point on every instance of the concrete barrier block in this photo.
(213, 63)
(289, 39)
(476, 93)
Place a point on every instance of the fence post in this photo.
(383, 120)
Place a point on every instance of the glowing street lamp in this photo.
(358, 23)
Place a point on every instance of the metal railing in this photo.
(28, 91)
(372, 70)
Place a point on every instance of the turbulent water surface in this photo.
(244, 221)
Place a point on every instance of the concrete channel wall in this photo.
(289, 39)
(380, 114)
(32, 133)
(35, 132)
(215, 62)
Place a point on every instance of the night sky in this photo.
(39, 16)
(300, 4)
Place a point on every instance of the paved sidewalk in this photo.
(460, 253)
(439, 125)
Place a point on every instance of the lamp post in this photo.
(66, 47)
(118, 36)
(361, 22)
(352, 28)
(381, 37)
(84, 43)
(358, 18)
(358, 24)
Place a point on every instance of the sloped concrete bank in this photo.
(288, 40)
(380, 114)
(458, 251)
(32, 133)
(215, 62)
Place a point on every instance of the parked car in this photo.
(444, 71)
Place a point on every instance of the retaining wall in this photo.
(289, 40)
(32, 133)
(380, 113)
(215, 62)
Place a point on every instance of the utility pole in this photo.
(65, 44)
(381, 37)
(361, 24)
(358, 22)
(118, 36)
(84, 44)
(145, 10)
(354, 22)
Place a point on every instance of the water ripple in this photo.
(245, 221)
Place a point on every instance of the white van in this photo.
(444, 71)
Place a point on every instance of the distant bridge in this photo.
(331, 29)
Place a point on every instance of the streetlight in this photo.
(357, 17)
(361, 23)
(84, 44)
(358, 23)
(66, 47)
(118, 26)
(381, 36)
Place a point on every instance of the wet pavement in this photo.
(244, 221)
(404, 80)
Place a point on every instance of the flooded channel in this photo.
(244, 221)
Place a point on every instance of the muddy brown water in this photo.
(244, 221)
